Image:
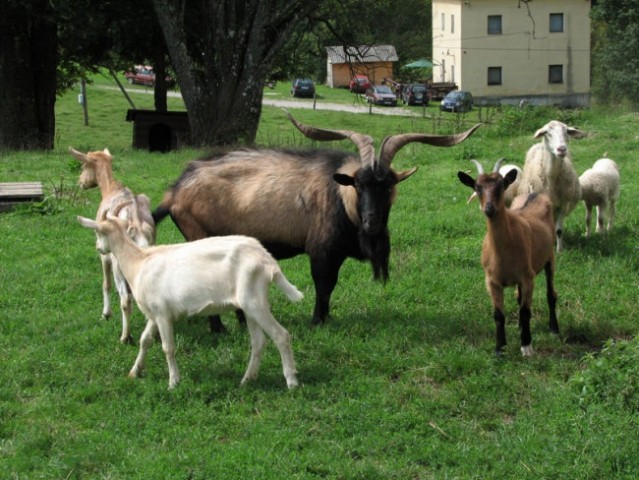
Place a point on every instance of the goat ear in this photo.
(87, 222)
(77, 155)
(575, 132)
(344, 179)
(401, 176)
(510, 177)
(466, 179)
(542, 131)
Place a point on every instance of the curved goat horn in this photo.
(116, 211)
(391, 145)
(480, 168)
(363, 142)
(498, 164)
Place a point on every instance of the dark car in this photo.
(457, 101)
(381, 95)
(303, 87)
(359, 84)
(144, 75)
(415, 94)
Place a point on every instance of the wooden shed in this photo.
(375, 61)
(159, 131)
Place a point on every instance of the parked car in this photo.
(303, 87)
(415, 94)
(457, 101)
(144, 75)
(381, 95)
(359, 84)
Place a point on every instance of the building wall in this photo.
(339, 75)
(463, 50)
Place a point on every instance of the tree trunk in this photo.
(160, 88)
(222, 51)
(28, 55)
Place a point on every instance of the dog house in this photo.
(159, 131)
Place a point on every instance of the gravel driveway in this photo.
(356, 107)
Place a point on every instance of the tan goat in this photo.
(97, 172)
(518, 244)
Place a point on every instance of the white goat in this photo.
(600, 188)
(97, 172)
(548, 169)
(204, 277)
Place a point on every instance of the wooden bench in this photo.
(15, 193)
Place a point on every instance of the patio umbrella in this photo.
(420, 64)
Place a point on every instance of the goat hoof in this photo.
(527, 351)
(318, 322)
(128, 340)
(105, 316)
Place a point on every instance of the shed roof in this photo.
(362, 54)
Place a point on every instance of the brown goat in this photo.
(328, 204)
(97, 171)
(518, 244)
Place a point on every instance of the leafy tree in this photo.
(46, 47)
(616, 33)
(406, 25)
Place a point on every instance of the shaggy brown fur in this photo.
(328, 204)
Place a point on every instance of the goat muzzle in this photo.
(489, 210)
(371, 225)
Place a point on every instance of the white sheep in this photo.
(203, 277)
(513, 188)
(549, 169)
(97, 172)
(600, 188)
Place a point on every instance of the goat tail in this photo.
(160, 213)
(290, 290)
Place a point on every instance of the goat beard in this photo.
(377, 249)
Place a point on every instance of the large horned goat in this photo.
(328, 204)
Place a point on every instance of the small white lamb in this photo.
(549, 169)
(600, 188)
(204, 277)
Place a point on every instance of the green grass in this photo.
(401, 383)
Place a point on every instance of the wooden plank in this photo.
(26, 190)
(15, 193)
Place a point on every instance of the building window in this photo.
(494, 75)
(452, 24)
(555, 74)
(556, 22)
(494, 24)
(443, 22)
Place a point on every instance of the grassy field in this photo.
(401, 383)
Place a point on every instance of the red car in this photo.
(381, 95)
(360, 83)
(141, 75)
(144, 75)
